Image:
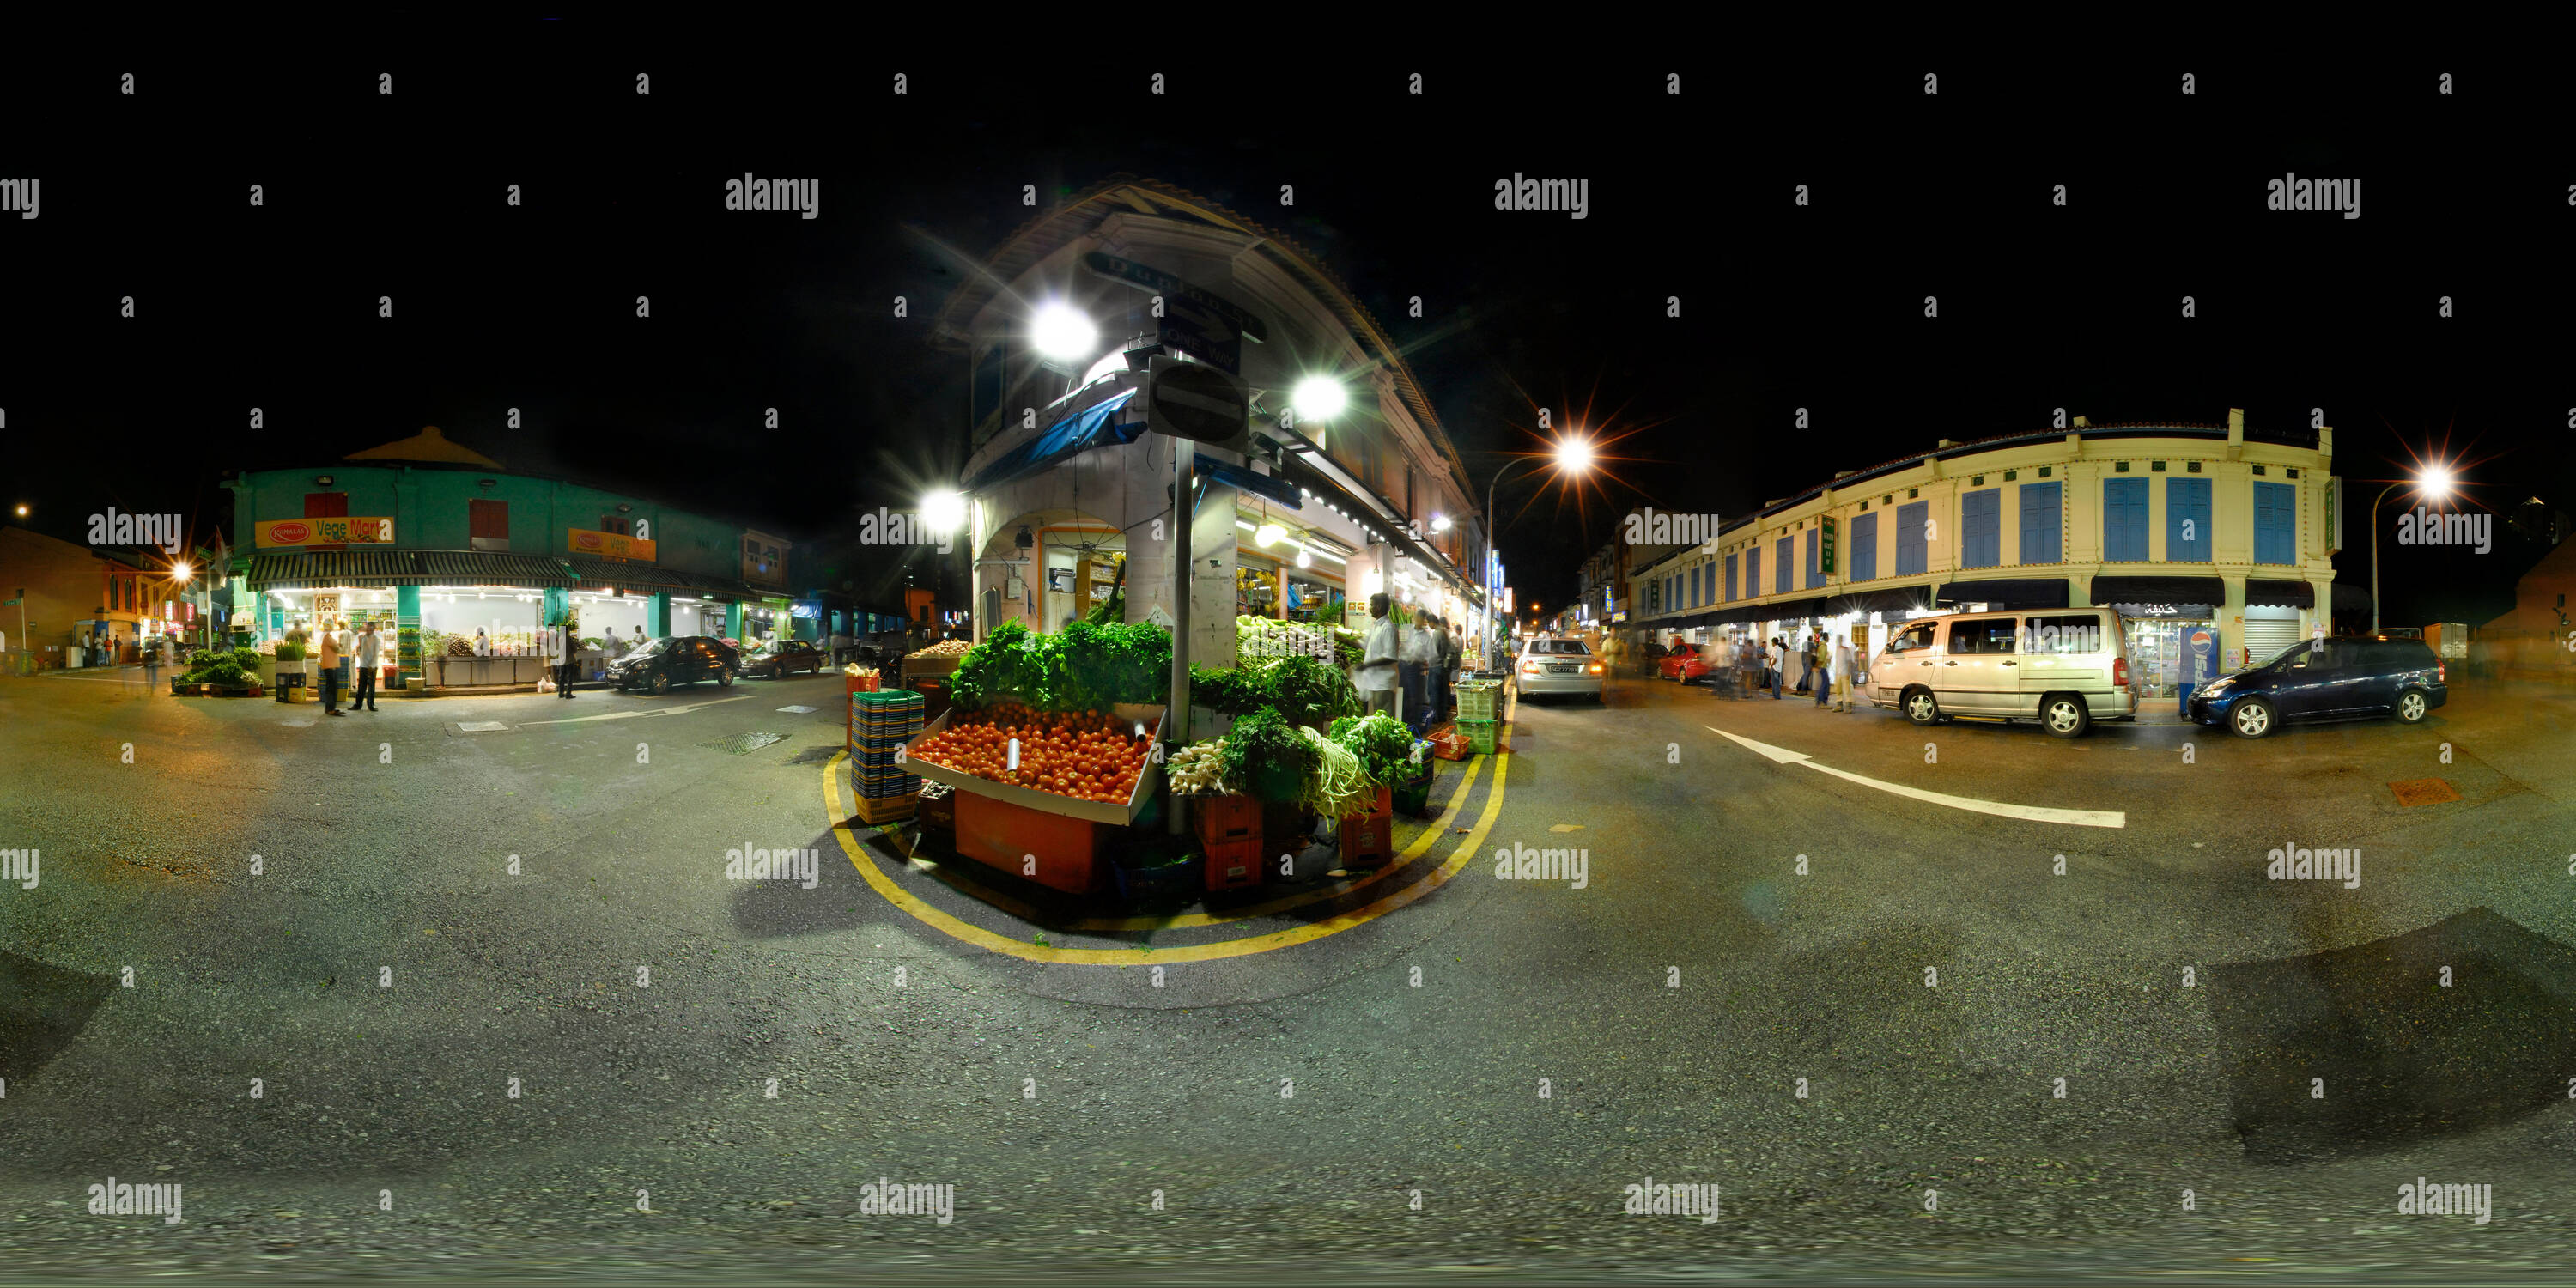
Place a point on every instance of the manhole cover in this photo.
(482, 726)
(799, 711)
(743, 744)
(2423, 791)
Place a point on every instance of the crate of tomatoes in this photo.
(1093, 765)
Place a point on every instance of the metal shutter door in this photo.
(2267, 637)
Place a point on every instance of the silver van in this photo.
(2064, 667)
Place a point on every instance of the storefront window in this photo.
(2164, 640)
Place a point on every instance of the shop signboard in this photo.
(609, 545)
(327, 531)
(1825, 548)
(1173, 288)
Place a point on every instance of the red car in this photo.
(1685, 665)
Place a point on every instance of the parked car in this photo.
(1558, 666)
(1686, 664)
(2334, 679)
(779, 659)
(661, 664)
(2064, 667)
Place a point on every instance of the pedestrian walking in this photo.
(1778, 661)
(151, 669)
(1414, 661)
(1845, 668)
(1825, 674)
(561, 643)
(1377, 674)
(370, 652)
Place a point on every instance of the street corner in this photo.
(1282, 908)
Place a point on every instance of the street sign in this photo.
(1172, 288)
(1826, 553)
(1194, 400)
(1203, 333)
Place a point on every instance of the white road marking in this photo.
(630, 715)
(2033, 813)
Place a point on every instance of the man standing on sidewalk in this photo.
(1844, 663)
(370, 648)
(560, 645)
(1779, 661)
(330, 659)
(1376, 676)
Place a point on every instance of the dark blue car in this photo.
(2332, 679)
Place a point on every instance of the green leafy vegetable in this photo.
(1269, 758)
(1383, 746)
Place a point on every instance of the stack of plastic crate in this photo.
(880, 723)
(1476, 699)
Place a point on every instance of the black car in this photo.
(778, 659)
(2332, 679)
(659, 664)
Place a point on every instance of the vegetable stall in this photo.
(1054, 749)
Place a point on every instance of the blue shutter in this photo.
(1864, 547)
(1910, 554)
(1753, 572)
(1730, 579)
(1815, 560)
(2124, 520)
(1784, 573)
(2187, 502)
(2041, 526)
(1981, 528)
(2276, 523)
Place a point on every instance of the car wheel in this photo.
(1921, 708)
(661, 683)
(2065, 715)
(724, 679)
(2252, 718)
(2413, 706)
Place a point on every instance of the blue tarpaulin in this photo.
(1080, 433)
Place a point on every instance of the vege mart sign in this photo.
(279, 533)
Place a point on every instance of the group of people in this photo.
(1743, 668)
(1415, 662)
(334, 650)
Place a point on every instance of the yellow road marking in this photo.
(986, 939)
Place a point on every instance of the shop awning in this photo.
(1242, 478)
(323, 569)
(1086, 429)
(2279, 594)
(2009, 592)
(595, 574)
(2159, 590)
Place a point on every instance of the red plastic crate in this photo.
(1222, 820)
(1368, 840)
(1233, 865)
(1070, 853)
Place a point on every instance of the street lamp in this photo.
(2436, 483)
(943, 510)
(1573, 455)
(1318, 398)
(1061, 332)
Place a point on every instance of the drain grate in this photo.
(743, 744)
(2423, 791)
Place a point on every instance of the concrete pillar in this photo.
(2317, 620)
(2231, 625)
(657, 614)
(733, 621)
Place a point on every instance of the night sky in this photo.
(2041, 307)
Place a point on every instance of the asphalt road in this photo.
(1439, 1068)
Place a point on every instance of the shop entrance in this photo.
(2171, 648)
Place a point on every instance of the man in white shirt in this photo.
(1845, 663)
(370, 650)
(1375, 678)
(1779, 660)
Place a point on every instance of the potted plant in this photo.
(290, 668)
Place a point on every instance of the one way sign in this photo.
(1194, 400)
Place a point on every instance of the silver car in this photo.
(1551, 666)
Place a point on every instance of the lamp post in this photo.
(2437, 482)
(1573, 455)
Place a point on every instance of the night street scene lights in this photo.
(943, 511)
(1319, 398)
(1061, 333)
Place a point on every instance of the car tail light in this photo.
(1596, 668)
(1529, 668)
(2441, 672)
(2120, 673)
